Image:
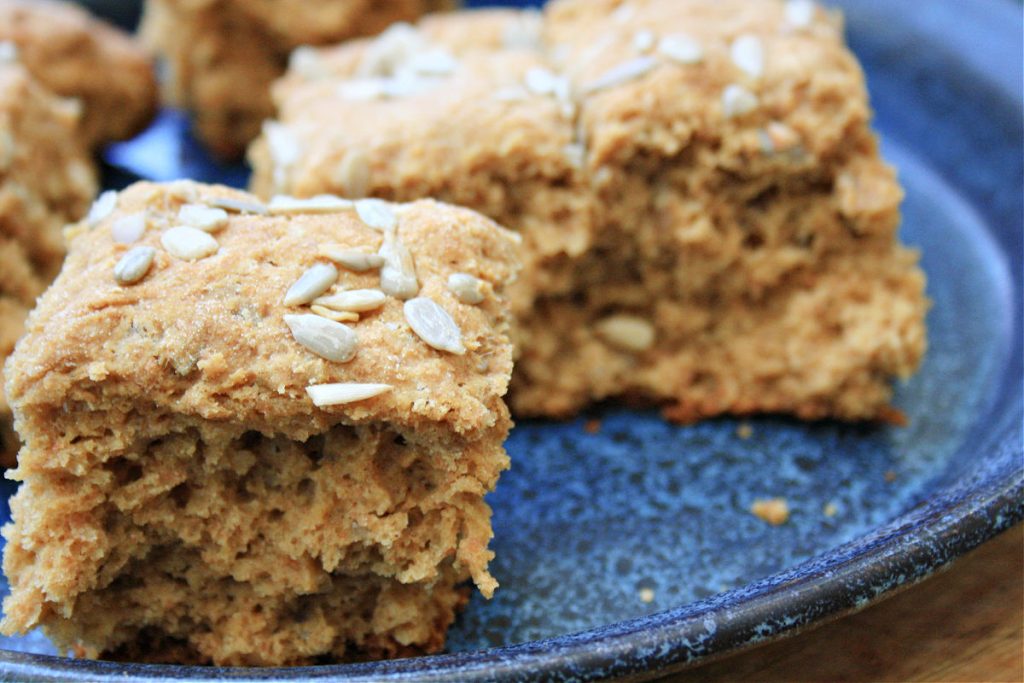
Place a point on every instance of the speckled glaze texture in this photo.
(584, 522)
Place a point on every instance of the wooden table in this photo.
(966, 624)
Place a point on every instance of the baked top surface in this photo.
(209, 337)
(617, 91)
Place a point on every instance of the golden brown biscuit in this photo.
(46, 180)
(76, 55)
(195, 489)
(222, 55)
(707, 221)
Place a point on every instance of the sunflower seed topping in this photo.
(237, 205)
(8, 52)
(398, 274)
(284, 150)
(134, 265)
(644, 40)
(188, 244)
(466, 288)
(748, 54)
(305, 61)
(623, 73)
(575, 154)
(392, 48)
(626, 332)
(681, 48)
(344, 392)
(362, 89)
(624, 13)
(738, 101)
(432, 324)
(129, 229)
(312, 284)
(326, 338)
(206, 218)
(523, 31)
(283, 205)
(432, 62)
(541, 81)
(354, 300)
(102, 207)
(358, 261)
(799, 13)
(352, 173)
(336, 316)
(376, 213)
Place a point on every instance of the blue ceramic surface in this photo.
(585, 522)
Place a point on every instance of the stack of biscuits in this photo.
(259, 428)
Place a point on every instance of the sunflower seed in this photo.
(575, 154)
(134, 265)
(325, 338)
(406, 84)
(284, 150)
(376, 213)
(644, 40)
(681, 48)
(352, 173)
(359, 261)
(102, 207)
(626, 332)
(778, 137)
(283, 146)
(237, 205)
(541, 81)
(434, 62)
(344, 392)
(392, 48)
(130, 228)
(432, 324)
(468, 289)
(398, 274)
(206, 218)
(748, 54)
(799, 13)
(624, 13)
(362, 89)
(305, 61)
(623, 73)
(523, 31)
(312, 284)
(8, 52)
(355, 300)
(336, 316)
(188, 244)
(737, 101)
(281, 205)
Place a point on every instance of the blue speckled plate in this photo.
(587, 525)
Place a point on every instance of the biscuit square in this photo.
(707, 222)
(218, 469)
(78, 56)
(223, 55)
(46, 181)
